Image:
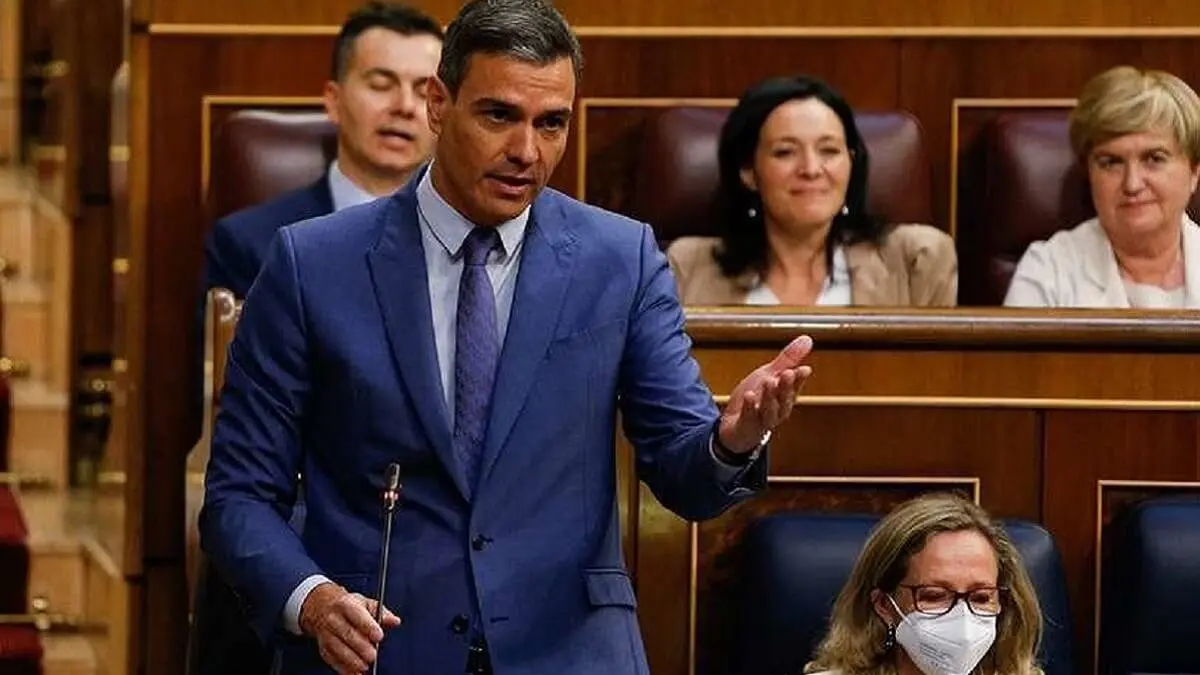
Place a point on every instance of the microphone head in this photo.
(392, 477)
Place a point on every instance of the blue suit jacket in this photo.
(332, 373)
(237, 244)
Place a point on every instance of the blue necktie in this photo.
(476, 351)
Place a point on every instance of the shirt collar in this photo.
(451, 228)
(344, 191)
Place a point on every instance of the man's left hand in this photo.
(764, 399)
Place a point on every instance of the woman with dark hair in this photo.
(794, 177)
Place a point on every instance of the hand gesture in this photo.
(343, 624)
(764, 399)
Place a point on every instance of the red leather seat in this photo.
(260, 154)
(675, 187)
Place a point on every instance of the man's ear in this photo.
(331, 97)
(437, 101)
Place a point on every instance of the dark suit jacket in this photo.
(222, 641)
(332, 373)
(238, 242)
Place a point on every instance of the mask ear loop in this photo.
(889, 641)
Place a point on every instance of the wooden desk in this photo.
(1061, 419)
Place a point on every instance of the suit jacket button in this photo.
(479, 542)
(459, 624)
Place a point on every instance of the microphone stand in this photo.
(391, 494)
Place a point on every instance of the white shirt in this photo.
(345, 192)
(834, 293)
(1077, 268)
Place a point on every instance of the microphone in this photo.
(391, 494)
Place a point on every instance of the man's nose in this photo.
(522, 146)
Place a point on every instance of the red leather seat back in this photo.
(260, 154)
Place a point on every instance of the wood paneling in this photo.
(585, 13)
(1014, 430)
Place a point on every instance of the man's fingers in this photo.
(357, 614)
(769, 410)
(389, 620)
(792, 355)
(340, 656)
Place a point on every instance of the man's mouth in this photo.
(398, 134)
(512, 181)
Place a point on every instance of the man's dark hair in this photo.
(532, 31)
(393, 16)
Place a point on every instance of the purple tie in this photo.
(477, 351)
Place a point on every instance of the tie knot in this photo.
(479, 243)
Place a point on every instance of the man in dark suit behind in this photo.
(383, 58)
(382, 62)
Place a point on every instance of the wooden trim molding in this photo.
(704, 32)
(983, 328)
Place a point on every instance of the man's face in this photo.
(379, 105)
(502, 136)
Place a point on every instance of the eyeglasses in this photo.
(938, 600)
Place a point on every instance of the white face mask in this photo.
(951, 644)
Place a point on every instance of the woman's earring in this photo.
(889, 642)
(752, 212)
(845, 210)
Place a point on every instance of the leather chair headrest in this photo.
(258, 155)
(1150, 582)
(676, 173)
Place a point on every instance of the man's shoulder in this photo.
(260, 221)
(351, 227)
(592, 222)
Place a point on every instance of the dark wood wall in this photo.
(719, 13)
(194, 61)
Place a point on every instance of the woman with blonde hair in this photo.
(939, 589)
(1138, 134)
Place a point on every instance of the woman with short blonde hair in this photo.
(1138, 134)
(936, 571)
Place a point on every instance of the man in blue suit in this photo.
(383, 59)
(480, 331)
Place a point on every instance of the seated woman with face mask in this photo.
(793, 176)
(938, 589)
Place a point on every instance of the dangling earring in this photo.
(752, 212)
(845, 210)
(889, 642)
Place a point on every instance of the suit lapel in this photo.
(401, 284)
(546, 262)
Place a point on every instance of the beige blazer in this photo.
(1077, 268)
(915, 265)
